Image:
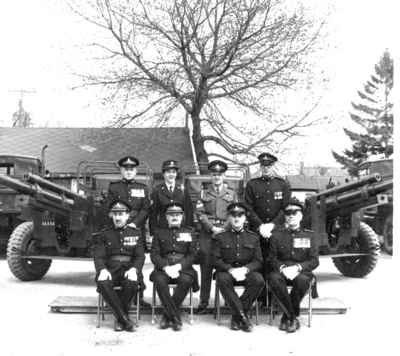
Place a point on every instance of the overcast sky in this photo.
(42, 45)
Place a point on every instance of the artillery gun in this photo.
(335, 215)
(60, 223)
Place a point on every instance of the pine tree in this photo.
(374, 114)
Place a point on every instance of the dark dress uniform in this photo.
(211, 211)
(289, 248)
(161, 196)
(233, 249)
(169, 247)
(117, 250)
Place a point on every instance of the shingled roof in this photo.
(69, 146)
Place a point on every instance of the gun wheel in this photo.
(360, 266)
(388, 235)
(21, 242)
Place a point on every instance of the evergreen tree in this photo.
(374, 114)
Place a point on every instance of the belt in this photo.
(175, 257)
(120, 258)
(237, 264)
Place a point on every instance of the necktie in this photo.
(171, 189)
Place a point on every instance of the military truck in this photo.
(380, 216)
(12, 202)
(60, 222)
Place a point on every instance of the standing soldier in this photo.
(211, 212)
(166, 193)
(136, 194)
(237, 258)
(293, 256)
(266, 197)
(173, 253)
(118, 259)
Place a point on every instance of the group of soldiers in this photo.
(249, 243)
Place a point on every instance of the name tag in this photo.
(184, 237)
(301, 242)
(137, 193)
(130, 240)
(278, 195)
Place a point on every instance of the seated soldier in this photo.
(173, 253)
(119, 259)
(293, 255)
(237, 258)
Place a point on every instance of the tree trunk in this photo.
(201, 153)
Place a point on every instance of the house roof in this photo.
(69, 146)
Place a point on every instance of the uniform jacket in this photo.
(266, 198)
(233, 249)
(160, 198)
(136, 194)
(172, 246)
(118, 242)
(293, 247)
(213, 205)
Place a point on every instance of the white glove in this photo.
(131, 274)
(266, 229)
(173, 271)
(217, 230)
(132, 225)
(239, 274)
(104, 275)
(291, 272)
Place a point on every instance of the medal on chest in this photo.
(301, 242)
(137, 193)
(130, 240)
(278, 195)
(184, 237)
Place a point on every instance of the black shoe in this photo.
(164, 323)
(235, 323)
(293, 325)
(176, 324)
(202, 308)
(129, 326)
(245, 323)
(284, 323)
(144, 304)
(118, 326)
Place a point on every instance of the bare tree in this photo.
(200, 58)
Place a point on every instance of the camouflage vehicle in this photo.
(12, 202)
(61, 222)
(380, 215)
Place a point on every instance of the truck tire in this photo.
(388, 234)
(360, 266)
(19, 243)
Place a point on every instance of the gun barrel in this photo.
(374, 178)
(32, 190)
(33, 178)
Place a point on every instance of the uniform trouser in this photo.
(119, 301)
(290, 303)
(264, 244)
(253, 284)
(172, 303)
(206, 267)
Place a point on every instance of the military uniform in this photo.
(118, 250)
(171, 246)
(161, 196)
(233, 249)
(288, 248)
(211, 210)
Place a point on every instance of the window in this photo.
(6, 170)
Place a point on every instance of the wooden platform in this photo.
(88, 305)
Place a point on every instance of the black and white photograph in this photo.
(198, 177)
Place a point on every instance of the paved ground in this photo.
(27, 326)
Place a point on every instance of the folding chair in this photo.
(154, 305)
(217, 305)
(101, 307)
(274, 304)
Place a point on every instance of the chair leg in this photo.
(137, 308)
(310, 304)
(271, 311)
(103, 307)
(191, 305)
(98, 310)
(153, 306)
(256, 311)
(218, 302)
